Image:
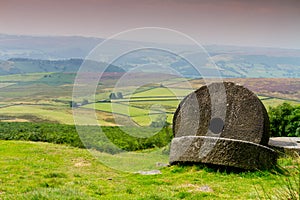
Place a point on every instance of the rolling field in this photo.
(273, 102)
(41, 97)
(22, 77)
(2, 85)
(163, 92)
(145, 105)
(34, 170)
(51, 113)
(119, 108)
(138, 105)
(88, 118)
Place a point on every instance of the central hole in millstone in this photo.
(216, 125)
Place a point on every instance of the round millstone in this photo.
(222, 152)
(222, 110)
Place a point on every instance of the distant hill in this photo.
(231, 61)
(258, 66)
(46, 47)
(24, 65)
(234, 64)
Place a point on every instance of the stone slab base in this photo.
(286, 145)
(221, 151)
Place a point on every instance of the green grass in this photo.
(145, 120)
(58, 79)
(50, 113)
(34, 91)
(173, 81)
(46, 171)
(138, 109)
(2, 85)
(168, 105)
(37, 85)
(139, 114)
(22, 77)
(273, 102)
(107, 139)
(37, 88)
(120, 108)
(140, 104)
(171, 92)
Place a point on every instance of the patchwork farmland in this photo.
(38, 97)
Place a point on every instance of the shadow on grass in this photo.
(275, 169)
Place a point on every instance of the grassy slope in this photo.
(51, 113)
(163, 92)
(137, 110)
(42, 89)
(22, 77)
(47, 171)
(140, 103)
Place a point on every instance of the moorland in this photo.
(44, 157)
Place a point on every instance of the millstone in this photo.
(222, 124)
(224, 152)
(246, 117)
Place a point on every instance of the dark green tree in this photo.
(112, 96)
(73, 104)
(160, 122)
(284, 120)
(119, 95)
(84, 102)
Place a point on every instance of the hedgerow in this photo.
(110, 139)
(285, 120)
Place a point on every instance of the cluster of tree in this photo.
(46, 76)
(74, 104)
(117, 95)
(285, 120)
(160, 122)
(111, 140)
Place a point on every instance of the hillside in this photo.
(232, 61)
(45, 47)
(32, 170)
(24, 66)
(258, 66)
(45, 97)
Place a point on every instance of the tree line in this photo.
(285, 120)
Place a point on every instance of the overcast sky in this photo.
(271, 23)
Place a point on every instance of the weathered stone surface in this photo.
(221, 151)
(285, 141)
(246, 117)
(152, 172)
(286, 145)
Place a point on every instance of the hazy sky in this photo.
(273, 23)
